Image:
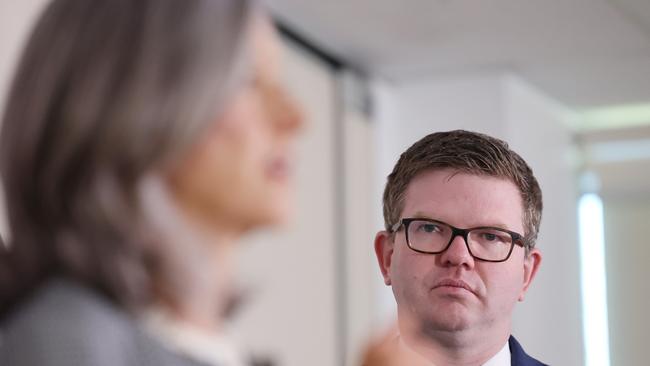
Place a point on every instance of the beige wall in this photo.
(627, 246)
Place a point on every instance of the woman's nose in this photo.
(289, 115)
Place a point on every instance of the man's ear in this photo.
(531, 265)
(384, 244)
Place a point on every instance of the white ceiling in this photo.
(583, 53)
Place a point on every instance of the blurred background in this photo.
(566, 83)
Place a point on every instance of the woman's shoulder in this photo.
(64, 307)
(59, 301)
(64, 323)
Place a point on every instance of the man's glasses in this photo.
(485, 243)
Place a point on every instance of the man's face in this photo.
(429, 288)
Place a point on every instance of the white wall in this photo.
(548, 322)
(16, 18)
(358, 152)
(387, 120)
(422, 107)
(293, 315)
(628, 291)
(625, 192)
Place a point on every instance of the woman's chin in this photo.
(279, 217)
(272, 216)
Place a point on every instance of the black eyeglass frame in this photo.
(517, 239)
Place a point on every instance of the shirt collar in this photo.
(502, 358)
(181, 338)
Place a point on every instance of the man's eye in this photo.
(490, 237)
(428, 228)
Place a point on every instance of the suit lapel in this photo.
(518, 357)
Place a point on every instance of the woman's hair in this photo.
(106, 92)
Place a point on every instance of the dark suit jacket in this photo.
(518, 357)
(64, 324)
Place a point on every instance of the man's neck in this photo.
(462, 348)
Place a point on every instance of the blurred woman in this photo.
(141, 139)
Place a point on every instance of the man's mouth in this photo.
(452, 284)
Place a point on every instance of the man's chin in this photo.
(451, 321)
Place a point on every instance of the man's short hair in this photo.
(467, 152)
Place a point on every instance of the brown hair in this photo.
(106, 91)
(468, 152)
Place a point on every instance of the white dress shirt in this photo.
(183, 339)
(502, 358)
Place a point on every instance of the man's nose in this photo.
(457, 253)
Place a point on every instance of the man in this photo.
(462, 213)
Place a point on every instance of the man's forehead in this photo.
(450, 177)
(465, 198)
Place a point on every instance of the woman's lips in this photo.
(278, 169)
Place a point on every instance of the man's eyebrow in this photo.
(422, 215)
(497, 224)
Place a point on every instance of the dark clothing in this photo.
(518, 357)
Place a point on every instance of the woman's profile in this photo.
(141, 140)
